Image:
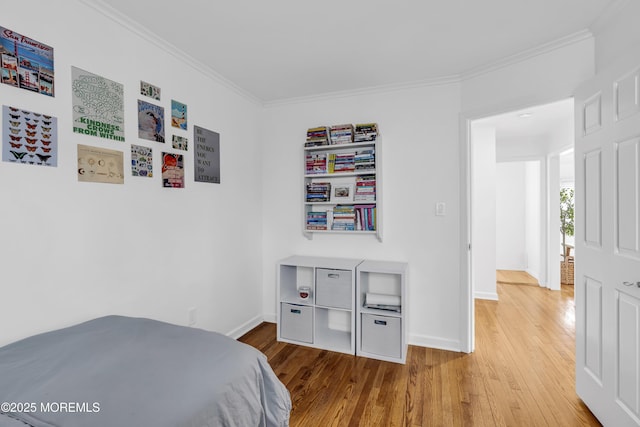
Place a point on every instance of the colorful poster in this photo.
(147, 89)
(150, 121)
(26, 63)
(29, 138)
(172, 170)
(178, 115)
(206, 155)
(97, 164)
(98, 105)
(179, 142)
(141, 161)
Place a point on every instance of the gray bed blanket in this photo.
(119, 371)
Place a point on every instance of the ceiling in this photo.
(281, 49)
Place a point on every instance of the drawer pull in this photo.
(295, 311)
(380, 322)
(333, 276)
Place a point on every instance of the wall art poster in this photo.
(97, 164)
(172, 170)
(180, 142)
(150, 121)
(29, 138)
(98, 105)
(206, 155)
(141, 161)
(147, 89)
(178, 115)
(26, 63)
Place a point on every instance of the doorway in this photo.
(534, 137)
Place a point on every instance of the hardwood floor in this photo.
(521, 374)
(515, 277)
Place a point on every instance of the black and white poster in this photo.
(206, 155)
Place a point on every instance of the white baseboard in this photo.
(271, 318)
(246, 327)
(493, 296)
(434, 342)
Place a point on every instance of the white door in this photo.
(608, 244)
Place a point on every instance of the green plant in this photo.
(566, 215)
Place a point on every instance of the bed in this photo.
(118, 371)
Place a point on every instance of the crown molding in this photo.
(416, 84)
(151, 37)
(528, 54)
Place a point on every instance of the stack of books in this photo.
(344, 218)
(342, 162)
(365, 132)
(342, 134)
(317, 220)
(316, 163)
(365, 159)
(365, 188)
(317, 136)
(318, 192)
(365, 217)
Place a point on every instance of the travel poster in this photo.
(178, 115)
(26, 63)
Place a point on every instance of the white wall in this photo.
(511, 214)
(483, 220)
(533, 212)
(418, 129)
(72, 251)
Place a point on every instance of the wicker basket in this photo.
(566, 271)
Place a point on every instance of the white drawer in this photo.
(333, 288)
(381, 335)
(296, 322)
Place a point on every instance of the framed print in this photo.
(342, 193)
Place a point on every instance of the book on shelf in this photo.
(365, 132)
(365, 218)
(341, 134)
(344, 218)
(317, 136)
(365, 159)
(365, 188)
(318, 191)
(316, 220)
(316, 163)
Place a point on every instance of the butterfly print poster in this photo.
(28, 137)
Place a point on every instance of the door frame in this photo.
(467, 309)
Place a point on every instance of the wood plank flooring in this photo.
(515, 277)
(521, 374)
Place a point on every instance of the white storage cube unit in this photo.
(382, 321)
(329, 310)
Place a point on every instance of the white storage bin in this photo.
(296, 322)
(333, 288)
(381, 335)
